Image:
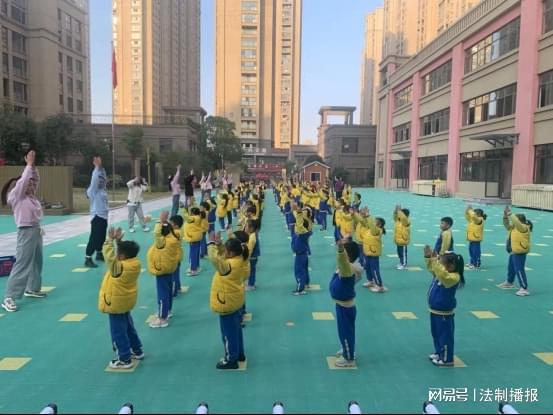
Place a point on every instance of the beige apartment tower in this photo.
(258, 68)
(157, 49)
(45, 57)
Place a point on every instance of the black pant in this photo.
(98, 228)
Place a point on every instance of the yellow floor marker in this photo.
(419, 245)
(314, 287)
(323, 316)
(533, 254)
(48, 289)
(80, 270)
(135, 364)
(331, 360)
(457, 363)
(500, 244)
(184, 289)
(248, 317)
(82, 245)
(547, 358)
(484, 315)
(392, 255)
(404, 315)
(464, 245)
(488, 255)
(57, 255)
(73, 317)
(13, 363)
(414, 269)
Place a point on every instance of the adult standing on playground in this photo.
(339, 187)
(208, 187)
(189, 183)
(137, 187)
(98, 196)
(174, 185)
(26, 274)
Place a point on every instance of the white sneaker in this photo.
(434, 356)
(158, 323)
(131, 230)
(506, 285)
(146, 229)
(9, 305)
(377, 289)
(470, 266)
(339, 353)
(119, 364)
(250, 288)
(342, 362)
(369, 284)
(522, 292)
(401, 267)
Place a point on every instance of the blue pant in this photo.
(229, 218)
(402, 254)
(337, 234)
(176, 286)
(203, 246)
(175, 205)
(211, 227)
(315, 216)
(164, 295)
(345, 319)
(372, 268)
(231, 332)
(253, 265)
(516, 268)
(301, 270)
(322, 219)
(222, 223)
(443, 331)
(475, 253)
(361, 255)
(194, 256)
(124, 336)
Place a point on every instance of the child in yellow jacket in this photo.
(475, 234)
(372, 249)
(402, 235)
(117, 297)
(193, 232)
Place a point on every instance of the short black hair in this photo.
(448, 220)
(177, 220)
(129, 249)
(406, 212)
(352, 250)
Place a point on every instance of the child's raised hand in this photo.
(428, 253)
(111, 233)
(119, 234)
(164, 216)
(507, 211)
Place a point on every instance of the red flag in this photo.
(114, 69)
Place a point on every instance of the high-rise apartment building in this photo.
(258, 58)
(157, 50)
(370, 73)
(45, 62)
(449, 11)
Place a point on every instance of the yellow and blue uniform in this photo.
(255, 251)
(444, 243)
(402, 235)
(323, 209)
(518, 247)
(372, 249)
(163, 259)
(227, 298)
(337, 220)
(442, 303)
(475, 234)
(194, 227)
(300, 247)
(117, 297)
(346, 224)
(359, 228)
(222, 207)
(342, 291)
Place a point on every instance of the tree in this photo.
(55, 135)
(312, 158)
(217, 141)
(133, 140)
(18, 133)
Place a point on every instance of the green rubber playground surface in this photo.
(7, 223)
(286, 347)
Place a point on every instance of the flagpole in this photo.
(113, 86)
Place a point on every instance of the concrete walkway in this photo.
(70, 228)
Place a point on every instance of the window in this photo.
(19, 67)
(474, 166)
(248, 89)
(18, 14)
(69, 64)
(249, 101)
(402, 133)
(437, 78)
(6, 85)
(250, 6)
(494, 46)
(79, 106)
(432, 168)
(67, 22)
(249, 32)
(435, 123)
(400, 169)
(249, 19)
(77, 25)
(69, 104)
(20, 91)
(547, 16)
(380, 169)
(248, 125)
(69, 41)
(60, 58)
(545, 97)
(79, 86)
(165, 145)
(315, 177)
(248, 113)
(5, 35)
(4, 7)
(79, 66)
(19, 43)
(249, 66)
(249, 53)
(70, 85)
(249, 42)
(543, 169)
(78, 45)
(5, 63)
(350, 145)
(61, 100)
(403, 97)
(497, 104)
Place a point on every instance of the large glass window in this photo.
(250, 6)
(350, 145)
(543, 169)
(403, 97)
(496, 104)
(547, 16)
(435, 123)
(402, 133)
(432, 168)
(474, 166)
(545, 95)
(437, 78)
(20, 91)
(5, 63)
(494, 46)
(19, 66)
(19, 43)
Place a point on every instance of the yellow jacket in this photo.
(221, 211)
(164, 255)
(402, 229)
(346, 224)
(119, 288)
(296, 192)
(359, 228)
(227, 287)
(235, 201)
(475, 226)
(519, 234)
(193, 227)
(372, 238)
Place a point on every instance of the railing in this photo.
(535, 196)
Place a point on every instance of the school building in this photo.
(474, 108)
